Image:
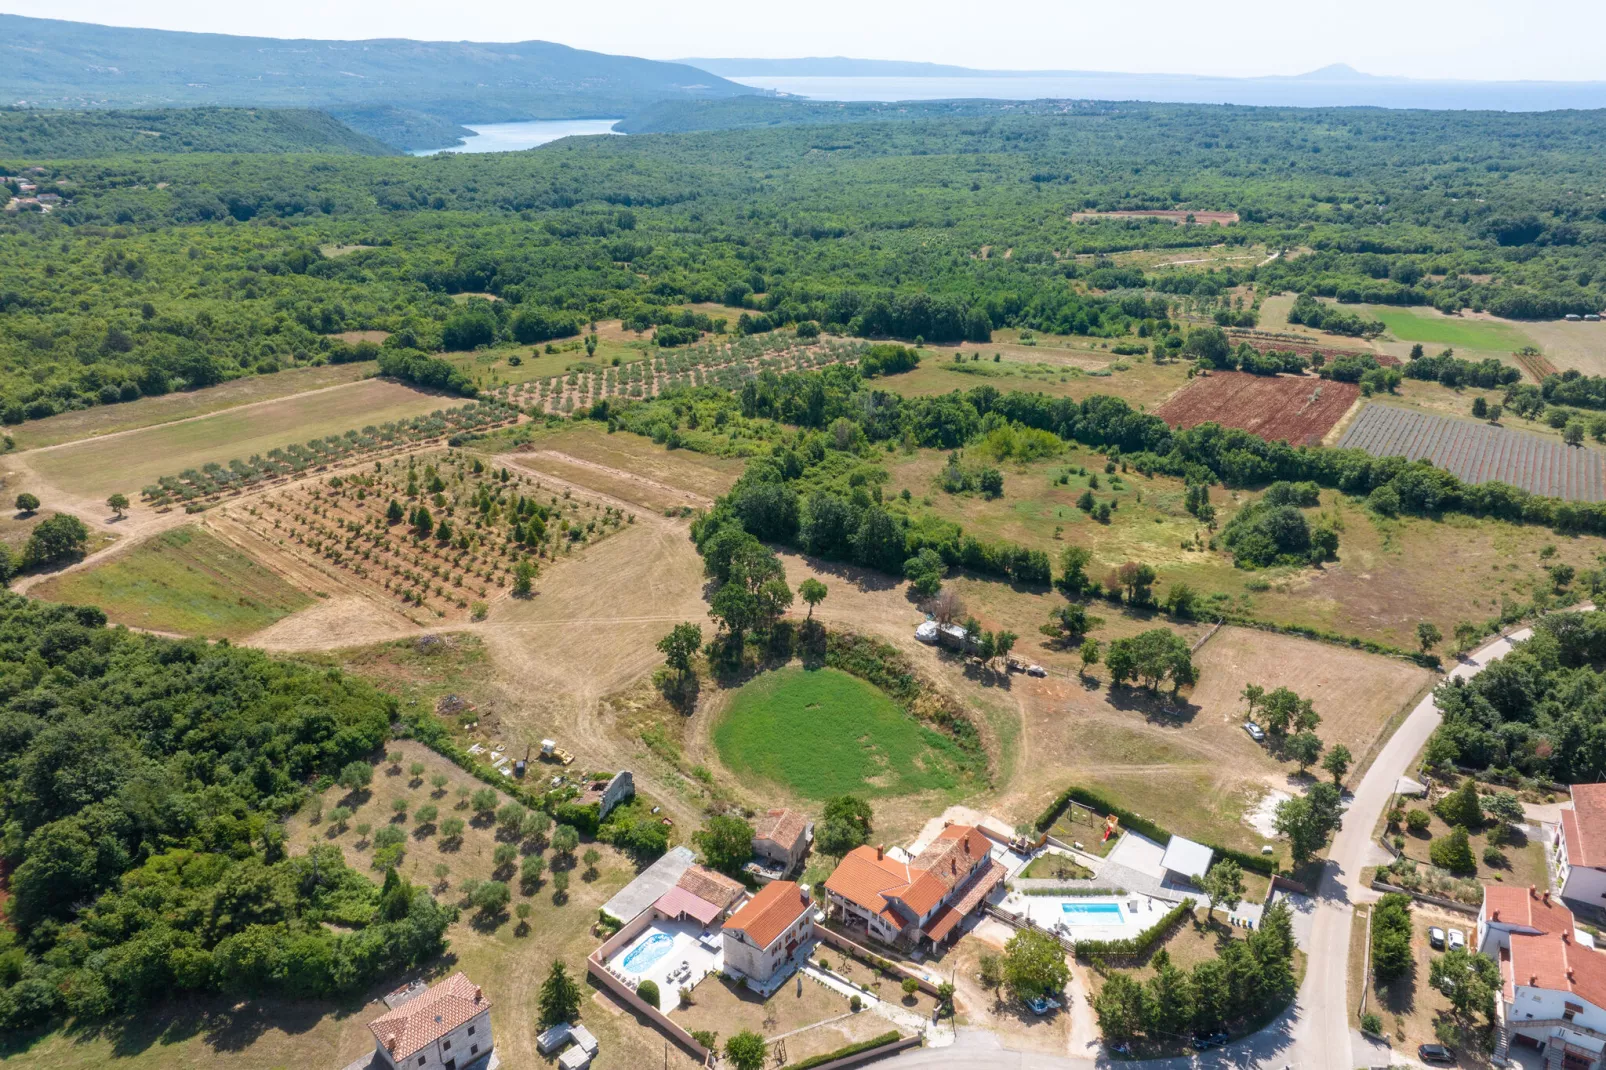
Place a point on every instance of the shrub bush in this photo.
(648, 991)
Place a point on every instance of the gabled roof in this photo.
(1525, 907)
(921, 884)
(784, 827)
(429, 1016)
(678, 901)
(769, 913)
(867, 880)
(968, 900)
(1559, 963)
(1584, 826)
(715, 888)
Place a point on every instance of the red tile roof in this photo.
(715, 888)
(1585, 826)
(920, 885)
(678, 901)
(784, 827)
(1526, 907)
(969, 899)
(769, 913)
(429, 1016)
(1556, 962)
(865, 879)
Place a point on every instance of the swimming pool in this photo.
(645, 955)
(1092, 913)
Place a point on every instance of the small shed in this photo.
(927, 632)
(1186, 859)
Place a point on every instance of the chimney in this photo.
(1494, 915)
(390, 1043)
(1532, 892)
(1565, 937)
(880, 852)
(1533, 980)
(1569, 974)
(1546, 897)
(479, 993)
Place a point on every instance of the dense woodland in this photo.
(38, 134)
(144, 781)
(1538, 712)
(163, 272)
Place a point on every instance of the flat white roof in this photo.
(1186, 857)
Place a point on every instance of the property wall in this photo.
(596, 966)
(865, 955)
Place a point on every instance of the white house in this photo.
(768, 931)
(1553, 980)
(1580, 846)
(446, 1026)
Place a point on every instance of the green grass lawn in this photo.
(1428, 326)
(185, 580)
(822, 733)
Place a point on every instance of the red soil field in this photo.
(1175, 215)
(1297, 408)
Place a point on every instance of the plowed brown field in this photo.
(1297, 408)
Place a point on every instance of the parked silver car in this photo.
(1256, 733)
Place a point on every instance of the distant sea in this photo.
(1303, 92)
(512, 137)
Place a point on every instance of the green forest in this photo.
(33, 133)
(144, 783)
(159, 273)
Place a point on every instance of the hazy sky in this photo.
(1471, 39)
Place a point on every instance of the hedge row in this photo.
(1143, 826)
(1139, 944)
(892, 1036)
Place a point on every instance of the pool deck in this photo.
(1138, 912)
(688, 948)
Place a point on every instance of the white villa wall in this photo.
(1539, 1004)
(455, 1051)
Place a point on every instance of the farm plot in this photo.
(1481, 453)
(725, 364)
(1265, 341)
(432, 532)
(1298, 409)
(213, 480)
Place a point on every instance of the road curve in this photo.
(1317, 1032)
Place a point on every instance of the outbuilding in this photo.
(1185, 860)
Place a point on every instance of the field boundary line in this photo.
(220, 412)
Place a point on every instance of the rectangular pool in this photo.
(1092, 913)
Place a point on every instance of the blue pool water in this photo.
(645, 955)
(1092, 913)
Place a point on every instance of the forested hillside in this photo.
(51, 63)
(143, 783)
(54, 135)
(189, 270)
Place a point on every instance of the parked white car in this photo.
(1458, 940)
(1256, 733)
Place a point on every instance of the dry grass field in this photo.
(184, 581)
(131, 460)
(184, 405)
(1571, 345)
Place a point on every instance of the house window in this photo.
(473, 1049)
(446, 1045)
(470, 1030)
(420, 1060)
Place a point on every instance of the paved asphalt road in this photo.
(1317, 1031)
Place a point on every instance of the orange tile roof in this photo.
(715, 888)
(784, 827)
(429, 1016)
(864, 879)
(769, 913)
(920, 885)
(1556, 962)
(1527, 907)
(1586, 832)
(959, 909)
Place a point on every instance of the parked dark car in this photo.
(1205, 1043)
(1436, 1053)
